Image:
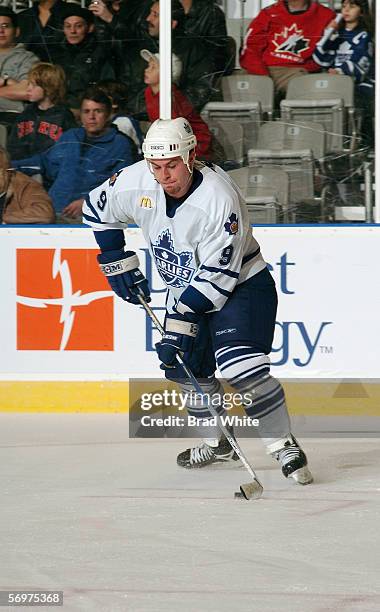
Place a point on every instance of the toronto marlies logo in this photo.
(173, 267)
(291, 41)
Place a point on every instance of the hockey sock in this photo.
(196, 406)
(248, 372)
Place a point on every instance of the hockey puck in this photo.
(238, 495)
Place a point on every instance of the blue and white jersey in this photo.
(349, 52)
(201, 252)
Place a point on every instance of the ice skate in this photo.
(206, 453)
(293, 461)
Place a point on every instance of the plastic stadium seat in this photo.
(327, 99)
(246, 114)
(265, 191)
(242, 87)
(230, 138)
(247, 99)
(297, 135)
(298, 149)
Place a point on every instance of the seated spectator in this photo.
(181, 106)
(15, 62)
(83, 157)
(198, 67)
(119, 20)
(207, 21)
(198, 70)
(41, 27)
(121, 117)
(22, 199)
(82, 58)
(349, 50)
(41, 124)
(281, 40)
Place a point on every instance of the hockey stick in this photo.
(250, 490)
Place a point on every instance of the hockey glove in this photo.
(178, 339)
(122, 271)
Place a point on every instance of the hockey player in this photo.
(221, 301)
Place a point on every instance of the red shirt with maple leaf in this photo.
(277, 37)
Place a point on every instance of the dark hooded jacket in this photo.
(36, 130)
(84, 64)
(39, 39)
(206, 22)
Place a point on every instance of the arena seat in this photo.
(266, 192)
(327, 99)
(297, 148)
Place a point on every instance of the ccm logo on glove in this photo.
(123, 274)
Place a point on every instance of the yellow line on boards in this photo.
(324, 399)
(68, 396)
(333, 398)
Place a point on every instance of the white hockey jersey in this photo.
(201, 252)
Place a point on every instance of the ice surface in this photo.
(116, 525)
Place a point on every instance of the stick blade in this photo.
(252, 490)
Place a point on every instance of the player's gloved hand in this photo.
(178, 339)
(123, 274)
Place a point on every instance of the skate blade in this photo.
(251, 490)
(226, 458)
(221, 460)
(302, 476)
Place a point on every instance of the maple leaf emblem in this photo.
(113, 178)
(232, 225)
(291, 40)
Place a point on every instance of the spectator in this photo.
(41, 27)
(121, 117)
(349, 51)
(15, 63)
(82, 58)
(198, 71)
(22, 199)
(181, 106)
(41, 124)
(83, 157)
(281, 40)
(119, 21)
(198, 67)
(206, 20)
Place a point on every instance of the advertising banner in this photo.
(60, 320)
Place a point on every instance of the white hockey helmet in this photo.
(168, 138)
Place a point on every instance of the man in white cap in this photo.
(221, 302)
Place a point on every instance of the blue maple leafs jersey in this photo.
(201, 252)
(350, 52)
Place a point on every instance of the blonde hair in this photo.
(51, 78)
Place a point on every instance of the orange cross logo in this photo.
(64, 302)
